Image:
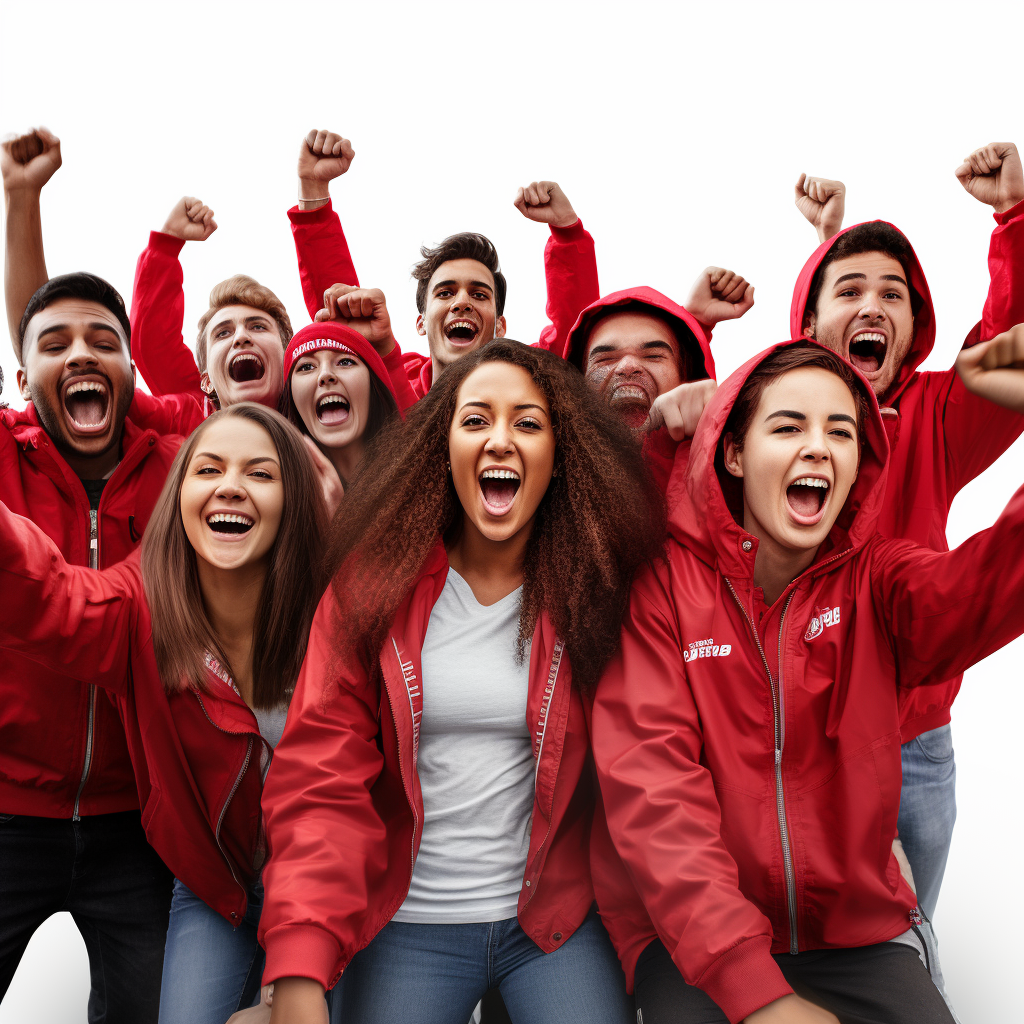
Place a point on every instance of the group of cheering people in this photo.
(346, 683)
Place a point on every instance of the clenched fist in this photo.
(28, 161)
(545, 202)
(718, 295)
(995, 369)
(680, 409)
(823, 202)
(993, 175)
(190, 220)
(364, 310)
(322, 156)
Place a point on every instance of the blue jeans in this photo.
(436, 973)
(928, 810)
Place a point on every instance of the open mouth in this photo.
(246, 366)
(87, 405)
(332, 410)
(807, 498)
(499, 488)
(867, 351)
(461, 332)
(230, 522)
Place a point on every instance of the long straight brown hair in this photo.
(295, 580)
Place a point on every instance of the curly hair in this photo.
(600, 519)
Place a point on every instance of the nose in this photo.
(628, 366)
(80, 354)
(499, 440)
(327, 376)
(230, 487)
(871, 308)
(242, 336)
(461, 302)
(815, 449)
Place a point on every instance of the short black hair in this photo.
(466, 245)
(874, 236)
(81, 285)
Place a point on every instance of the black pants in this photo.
(103, 872)
(881, 984)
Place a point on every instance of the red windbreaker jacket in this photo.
(570, 269)
(940, 435)
(196, 756)
(62, 746)
(344, 810)
(750, 768)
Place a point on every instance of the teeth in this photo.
(226, 517)
(810, 481)
(245, 355)
(468, 324)
(86, 385)
(332, 400)
(499, 474)
(869, 337)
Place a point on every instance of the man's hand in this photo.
(28, 161)
(993, 175)
(679, 410)
(545, 202)
(719, 295)
(791, 1009)
(822, 202)
(364, 310)
(330, 483)
(322, 156)
(995, 369)
(190, 220)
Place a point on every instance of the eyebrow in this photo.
(247, 320)
(57, 328)
(487, 405)
(863, 277)
(220, 458)
(790, 414)
(472, 284)
(597, 349)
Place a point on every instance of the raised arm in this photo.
(570, 266)
(320, 243)
(27, 163)
(822, 201)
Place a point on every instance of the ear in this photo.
(810, 326)
(23, 388)
(732, 456)
(499, 327)
(420, 329)
(205, 385)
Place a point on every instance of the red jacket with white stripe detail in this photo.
(343, 804)
(750, 766)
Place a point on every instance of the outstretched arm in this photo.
(823, 202)
(27, 163)
(570, 266)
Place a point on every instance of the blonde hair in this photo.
(241, 290)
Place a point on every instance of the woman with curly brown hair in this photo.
(429, 808)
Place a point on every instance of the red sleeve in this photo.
(570, 270)
(945, 611)
(322, 251)
(168, 414)
(394, 363)
(158, 311)
(324, 833)
(70, 619)
(664, 817)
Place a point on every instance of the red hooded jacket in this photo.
(62, 746)
(344, 810)
(750, 769)
(195, 756)
(940, 435)
(570, 269)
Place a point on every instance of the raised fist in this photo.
(995, 369)
(822, 202)
(323, 156)
(364, 310)
(993, 175)
(719, 295)
(190, 220)
(28, 161)
(679, 410)
(545, 202)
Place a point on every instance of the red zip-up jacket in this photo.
(749, 759)
(195, 756)
(62, 746)
(570, 270)
(940, 435)
(344, 810)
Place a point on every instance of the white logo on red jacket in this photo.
(823, 618)
(706, 649)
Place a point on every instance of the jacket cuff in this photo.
(167, 245)
(744, 979)
(1010, 214)
(301, 951)
(318, 216)
(573, 233)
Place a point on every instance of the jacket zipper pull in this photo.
(94, 542)
(778, 756)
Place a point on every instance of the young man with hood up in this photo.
(864, 295)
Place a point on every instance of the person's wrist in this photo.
(313, 193)
(1007, 204)
(23, 194)
(568, 221)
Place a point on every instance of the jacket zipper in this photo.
(401, 768)
(94, 563)
(780, 738)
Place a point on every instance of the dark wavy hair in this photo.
(601, 518)
(466, 245)
(295, 580)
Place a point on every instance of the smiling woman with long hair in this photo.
(432, 798)
(199, 647)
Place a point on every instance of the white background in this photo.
(677, 131)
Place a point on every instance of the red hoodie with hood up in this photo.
(750, 764)
(940, 435)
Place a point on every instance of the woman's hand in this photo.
(298, 1001)
(258, 1014)
(791, 1009)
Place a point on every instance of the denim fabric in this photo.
(103, 872)
(436, 973)
(928, 811)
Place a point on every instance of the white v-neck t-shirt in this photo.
(475, 764)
